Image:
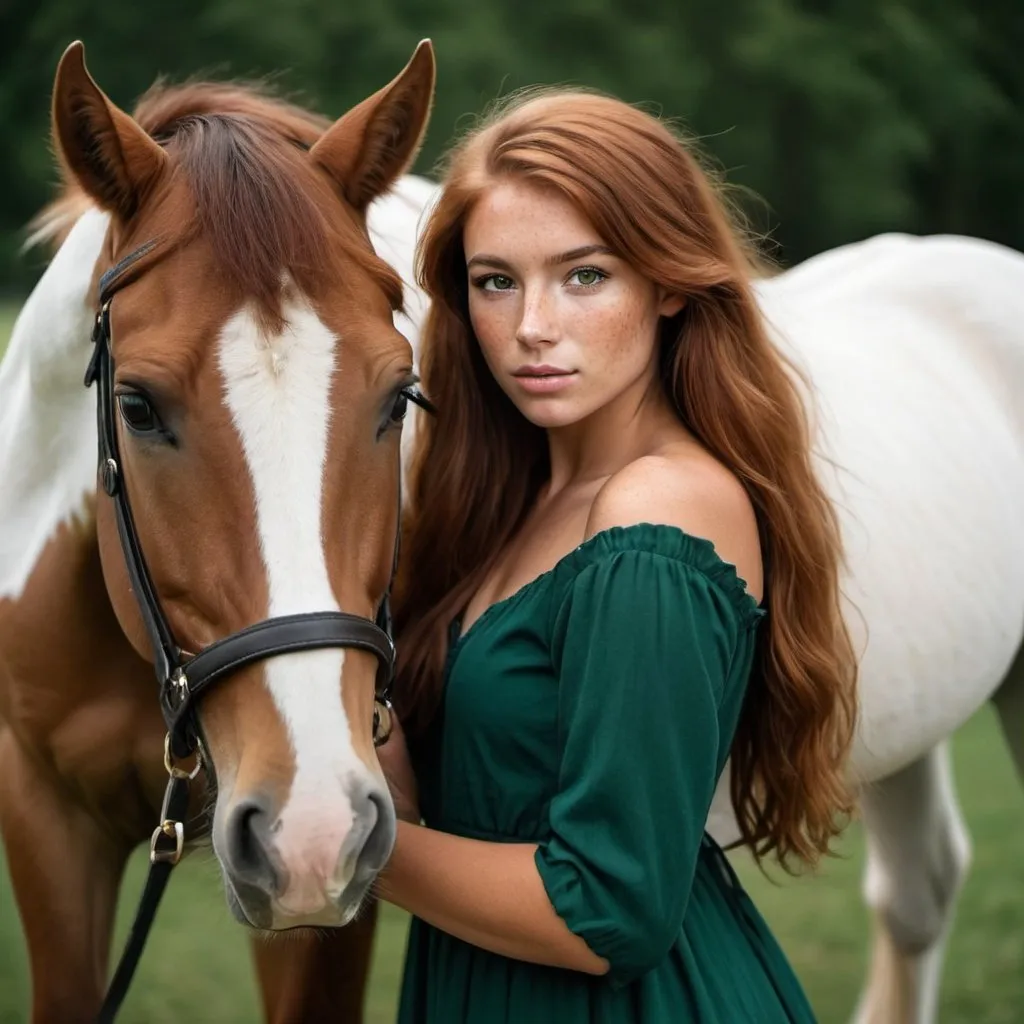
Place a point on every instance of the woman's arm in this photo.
(487, 894)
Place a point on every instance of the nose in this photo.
(249, 845)
(311, 861)
(537, 323)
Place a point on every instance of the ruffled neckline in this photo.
(654, 538)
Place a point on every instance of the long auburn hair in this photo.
(478, 466)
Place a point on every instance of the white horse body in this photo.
(916, 359)
(916, 355)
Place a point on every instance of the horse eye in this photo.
(400, 408)
(137, 413)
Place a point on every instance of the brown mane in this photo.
(258, 200)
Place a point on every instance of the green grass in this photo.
(197, 965)
(823, 926)
(820, 923)
(7, 314)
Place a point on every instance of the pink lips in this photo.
(543, 379)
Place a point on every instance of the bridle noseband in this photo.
(182, 678)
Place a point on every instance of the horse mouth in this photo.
(254, 912)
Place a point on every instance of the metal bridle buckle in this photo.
(180, 682)
(173, 770)
(170, 830)
(383, 720)
(160, 852)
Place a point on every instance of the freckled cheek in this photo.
(613, 339)
(494, 329)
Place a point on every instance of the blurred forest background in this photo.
(839, 118)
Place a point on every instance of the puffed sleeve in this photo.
(642, 646)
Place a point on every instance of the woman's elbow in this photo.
(575, 954)
(627, 951)
(588, 962)
(639, 948)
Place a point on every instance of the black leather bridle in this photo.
(183, 678)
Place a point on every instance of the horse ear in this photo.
(376, 141)
(108, 154)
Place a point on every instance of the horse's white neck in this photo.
(47, 416)
(394, 222)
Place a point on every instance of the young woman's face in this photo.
(565, 326)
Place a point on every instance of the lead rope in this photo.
(165, 850)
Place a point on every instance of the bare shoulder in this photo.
(686, 487)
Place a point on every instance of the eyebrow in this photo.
(486, 260)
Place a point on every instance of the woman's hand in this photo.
(394, 762)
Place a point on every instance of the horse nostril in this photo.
(381, 837)
(248, 845)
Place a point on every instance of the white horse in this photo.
(914, 351)
(915, 356)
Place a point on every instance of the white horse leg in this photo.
(919, 852)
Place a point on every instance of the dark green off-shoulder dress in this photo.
(592, 713)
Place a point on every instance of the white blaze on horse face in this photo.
(278, 392)
(47, 416)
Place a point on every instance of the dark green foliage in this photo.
(839, 118)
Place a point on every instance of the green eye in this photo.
(587, 277)
(499, 283)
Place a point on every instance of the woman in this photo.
(620, 571)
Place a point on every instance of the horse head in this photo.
(258, 387)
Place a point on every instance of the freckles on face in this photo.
(565, 325)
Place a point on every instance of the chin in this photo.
(255, 912)
(548, 415)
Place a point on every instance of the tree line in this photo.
(833, 119)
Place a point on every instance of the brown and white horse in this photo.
(259, 378)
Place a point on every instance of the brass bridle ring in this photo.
(172, 769)
(383, 720)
